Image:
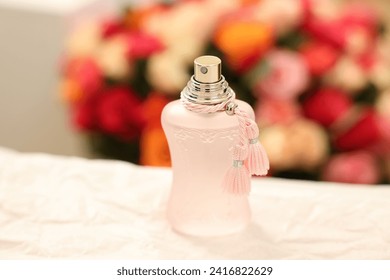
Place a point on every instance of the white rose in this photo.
(299, 145)
(348, 75)
(384, 47)
(212, 10)
(171, 26)
(308, 142)
(167, 73)
(383, 104)
(188, 49)
(380, 74)
(112, 59)
(275, 141)
(326, 9)
(358, 41)
(283, 15)
(83, 41)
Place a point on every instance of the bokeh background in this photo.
(90, 78)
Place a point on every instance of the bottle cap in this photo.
(207, 69)
(207, 86)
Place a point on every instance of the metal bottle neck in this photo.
(207, 93)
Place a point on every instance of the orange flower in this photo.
(153, 144)
(241, 41)
(249, 2)
(154, 147)
(70, 90)
(153, 107)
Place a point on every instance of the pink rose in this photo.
(319, 56)
(287, 76)
(87, 73)
(355, 167)
(271, 111)
(142, 45)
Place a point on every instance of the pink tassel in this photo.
(257, 161)
(237, 178)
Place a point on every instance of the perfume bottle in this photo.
(202, 134)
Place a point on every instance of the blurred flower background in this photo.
(317, 73)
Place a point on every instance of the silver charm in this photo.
(230, 107)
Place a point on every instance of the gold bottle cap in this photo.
(207, 69)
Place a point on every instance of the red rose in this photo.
(306, 5)
(362, 15)
(319, 57)
(353, 30)
(119, 113)
(84, 116)
(382, 148)
(333, 32)
(141, 45)
(327, 106)
(356, 168)
(112, 27)
(364, 133)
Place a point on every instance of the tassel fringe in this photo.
(237, 180)
(257, 162)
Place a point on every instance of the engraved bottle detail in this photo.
(205, 135)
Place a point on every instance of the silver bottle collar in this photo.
(207, 86)
(207, 94)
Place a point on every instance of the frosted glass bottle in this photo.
(201, 152)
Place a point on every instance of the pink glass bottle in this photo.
(201, 152)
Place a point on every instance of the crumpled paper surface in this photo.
(63, 207)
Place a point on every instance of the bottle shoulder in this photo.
(176, 114)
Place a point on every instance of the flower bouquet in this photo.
(317, 73)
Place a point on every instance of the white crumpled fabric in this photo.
(62, 207)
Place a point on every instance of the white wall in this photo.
(32, 117)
